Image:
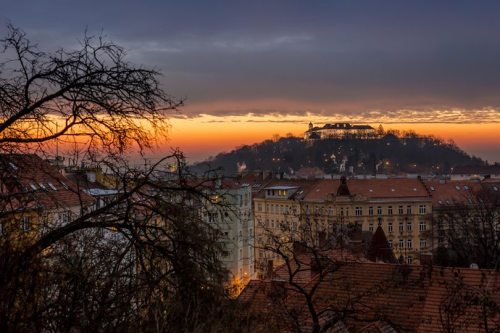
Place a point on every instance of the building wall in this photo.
(405, 221)
(230, 210)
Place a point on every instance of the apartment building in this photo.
(229, 209)
(36, 197)
(323, 211)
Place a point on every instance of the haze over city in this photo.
(251, 69)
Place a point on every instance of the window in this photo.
(400, 210)
(409, 260)
(409, 244)
(389, 210)
(423, 244)
(379, 210)
(408, 209)
(408, 226)
(359, 211)
(370, 227)
(259, 207)
(401, 244)
(26, 223)
(423, 226)
(370, 210)
(390, 243)
(401, 226)
(422, 209)
(389, 227)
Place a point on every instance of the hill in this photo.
(389, 153)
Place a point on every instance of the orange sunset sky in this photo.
(202, 135)
(248, 70)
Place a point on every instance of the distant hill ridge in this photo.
(390, 153)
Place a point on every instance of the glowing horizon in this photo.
(205, 136)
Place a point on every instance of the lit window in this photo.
(26, 223)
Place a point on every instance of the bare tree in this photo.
(468, 230)
(145, 260)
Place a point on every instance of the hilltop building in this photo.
(339, 131)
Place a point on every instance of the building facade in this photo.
(339, 131)
(229, 209)
(323, 211)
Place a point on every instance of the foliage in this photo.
(406, 153)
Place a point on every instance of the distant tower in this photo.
(310, 126)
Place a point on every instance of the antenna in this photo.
(57, 141)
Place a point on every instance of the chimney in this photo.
(270, 269)
(322, 240)
(356, 240)
(318, 264)
(218, 182)
(299, 248)
(426, 259)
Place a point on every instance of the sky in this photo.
(251, 69)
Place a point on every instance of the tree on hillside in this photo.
(143, 259)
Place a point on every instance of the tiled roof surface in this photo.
(30, 182)
(370, 188)
(304, 187)
(451, 191)
(378, 297)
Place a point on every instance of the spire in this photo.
(310, 125)
(379, 249)
(343, 188)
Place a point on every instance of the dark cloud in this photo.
(356, 55)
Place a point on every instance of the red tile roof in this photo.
(27, 181)
(378, 297)
(370, 188)
(450, 191)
